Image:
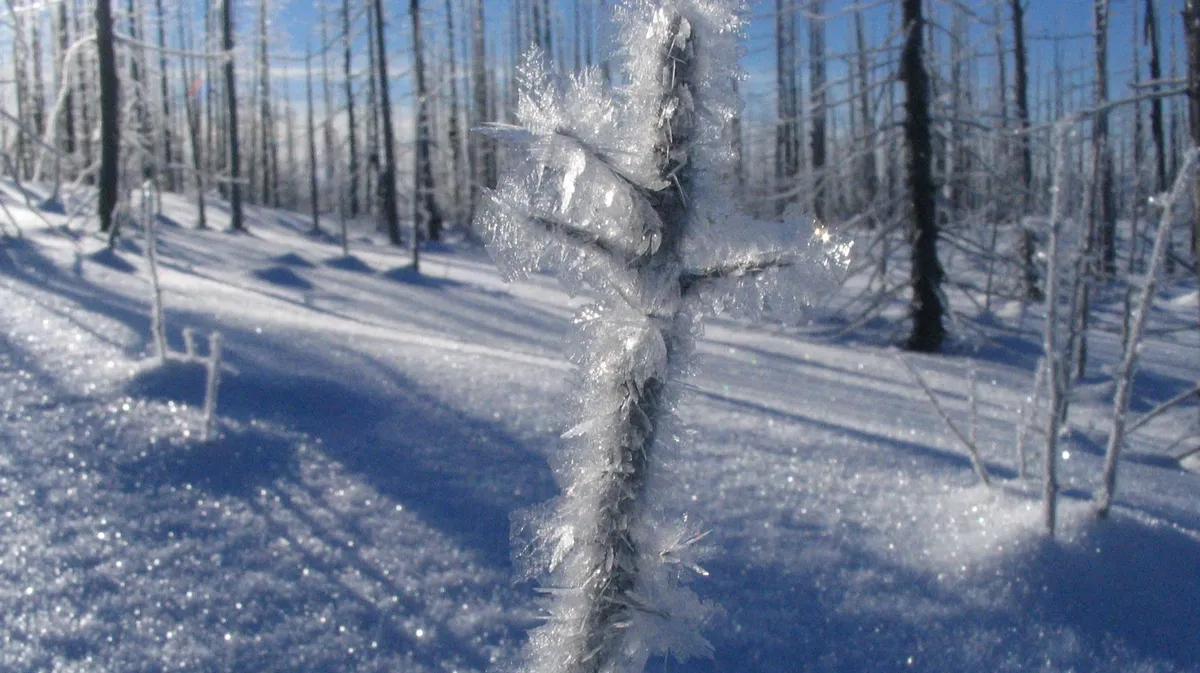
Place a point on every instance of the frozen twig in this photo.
(1123, 375)
(158, 328)
(212, 383)
(1029, 412)
(972, 450)
(1162, 408)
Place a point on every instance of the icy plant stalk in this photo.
(973, 405)
(969, 439)
(1128, 365)
(623, 193)
(1028, 414)
(212, 368)
(189, 343)
(158, 327)
(1057, 361)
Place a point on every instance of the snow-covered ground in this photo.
(378, 430)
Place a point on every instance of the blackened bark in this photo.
(1156, 108)
(314, 196)
(1105, 234)
(387, 182)
(787, 132)
(110, 128)
(352, 139)
(926, 308)
(64, 43)
(168, 157)
(869, 180)
(1021, 76)
(452, 133)
(1191, 26)
(236, 221)
(816, 74)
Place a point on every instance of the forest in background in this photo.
(367, 111)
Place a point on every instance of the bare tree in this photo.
(787, 134)
(387, 176)
(926, 307)
(426, 218)
(314, 196)
(164, 127)
(1021, 75)
(236, 220)
(1191, 26)
(192, 112)
(816, 82)
(453, 137)
(110, 128)
(868, 180)
(1156, 105)
(352, 136)
(483, 171)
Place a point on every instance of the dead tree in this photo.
(926, 305)
(236, 220)
(110, 127)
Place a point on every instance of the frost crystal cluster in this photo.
(625, 193)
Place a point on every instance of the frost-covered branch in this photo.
(1028, 414)
(1162, 409)
(977, 463)
(624, 192)
(1057, 367)
(1128, 365)
(695, 281)
(158, 327)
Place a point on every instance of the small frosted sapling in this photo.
(158, 327)
(1127, 367)
(625, 193)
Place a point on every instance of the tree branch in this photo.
(693, 282)
(1160, 409)
(976, 462)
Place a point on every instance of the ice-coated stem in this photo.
(1028, 415)
(609, 592)
(1128, 365)
(158, 326)
(977, 463)
(212, 383)
(1057, 376)
(610, 589)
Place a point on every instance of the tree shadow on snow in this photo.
(112, 259)
(1122, 594)
(461, 473)
(348, 263)
(283, 277)
(408, 276)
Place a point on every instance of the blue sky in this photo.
(295, 21)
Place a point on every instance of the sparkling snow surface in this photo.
(378, 429)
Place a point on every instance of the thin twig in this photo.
(976, 462)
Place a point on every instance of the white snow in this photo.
(379, 429)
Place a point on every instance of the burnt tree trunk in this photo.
(236, 221)
(926, 308)
(387, 177)
(428, 221)
(1191, 25)
(1021, 75)
(110, 127)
